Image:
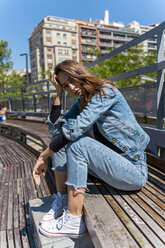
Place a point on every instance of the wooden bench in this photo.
(123, 219)
(19, 128)
(17, 187)
(127, 219)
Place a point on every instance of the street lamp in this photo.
(27, 74)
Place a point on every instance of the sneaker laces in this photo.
(63, 219)
(57, 203)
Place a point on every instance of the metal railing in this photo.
(159, 67)
(45, 91)
(157, 134)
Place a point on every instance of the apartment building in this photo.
(52, 41)
(147, 45)
(56, 39)
(112, 34)
(88, 42)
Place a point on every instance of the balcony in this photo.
(87, 51)
(87, 59)
(86, 34)
(83, 41)
(104, 36)
(105, 44)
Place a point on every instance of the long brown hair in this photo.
(90, 84)
(2, 105)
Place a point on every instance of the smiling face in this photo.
(72, 87)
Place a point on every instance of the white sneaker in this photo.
(65, 226)
(56, 210)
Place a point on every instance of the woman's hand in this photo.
(40, 167)
(58, 86)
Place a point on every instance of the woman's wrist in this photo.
(59, 94)
(46, 154)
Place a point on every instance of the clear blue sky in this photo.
(19, 17)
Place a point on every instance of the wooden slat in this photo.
(160, 190)
(155, 161)
(155, 192)
(36, 130)
(24, 237)
(155, 180)
(133, 223)
(15, 200)
(152, 230)
(150, 211)
(152, 204)
(3, 240)
(153, 198)
(21, 204)
(105, 228)
(157, 172)
(10, 239)
(4, 199)
(16, 188)
(17, 238)
(140, 218)
(9, 203)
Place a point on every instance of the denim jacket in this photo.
(114, 120)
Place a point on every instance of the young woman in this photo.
(98, 134)
(3, 111)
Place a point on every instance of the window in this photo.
(66, 52)
(48, 34)
(58, 35)
(73, 37)
(84, 56)
(93, 41)
(60, 60)
(58, 43)
(49, 60)
(65, 44)
(64, 36)
(73, 45)
(59, 51)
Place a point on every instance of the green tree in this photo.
(5, 62)
(129, 60)
(13, 80)
(148, 59)
(45, 74)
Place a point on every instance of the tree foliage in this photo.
(8, 79)
(131, 59)
(5, 62)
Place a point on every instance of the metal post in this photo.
(34, 103)
(160, 81)
(48, 89)
(64, 101)
(27, 73)
(22, 99)
(9, 104)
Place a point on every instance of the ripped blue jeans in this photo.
(88, 155)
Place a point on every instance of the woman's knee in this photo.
(79, 144)
(59, 160)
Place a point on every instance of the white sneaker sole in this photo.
(57, 235)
